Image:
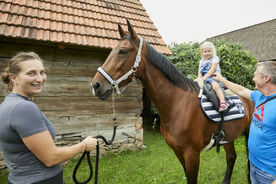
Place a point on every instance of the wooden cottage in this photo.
(74, 37)
(260, 39)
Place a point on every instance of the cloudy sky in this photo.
(195, 20)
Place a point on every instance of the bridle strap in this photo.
(110, 80)
(115, 83)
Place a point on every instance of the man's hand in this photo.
(217, 76)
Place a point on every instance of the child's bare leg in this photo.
(218, 91)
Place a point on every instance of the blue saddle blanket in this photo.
(236, 112)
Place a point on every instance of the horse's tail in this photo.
(246, 133)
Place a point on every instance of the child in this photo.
(208, 65)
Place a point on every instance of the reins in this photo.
(87, 153)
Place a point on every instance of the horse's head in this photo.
(122, 64)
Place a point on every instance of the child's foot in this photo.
(223, 106)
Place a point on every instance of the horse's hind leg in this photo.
(230, 158)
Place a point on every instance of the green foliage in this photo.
(186, 58)
(237, 65)
(4, 176)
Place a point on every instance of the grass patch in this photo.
(158, 165)
(4, 176)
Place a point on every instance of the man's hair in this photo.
(268, 69)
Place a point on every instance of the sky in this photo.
(180, 21)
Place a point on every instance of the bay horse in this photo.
(182, 123)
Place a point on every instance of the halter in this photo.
(115, 83)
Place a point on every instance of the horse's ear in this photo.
(121, 31)
(130, 30)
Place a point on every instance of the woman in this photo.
(26, 135)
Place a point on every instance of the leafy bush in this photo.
(186, 58)
(237, 65)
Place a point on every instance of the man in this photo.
(262, 134)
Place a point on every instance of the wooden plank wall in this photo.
(69, 104)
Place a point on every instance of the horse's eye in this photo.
(123, 51)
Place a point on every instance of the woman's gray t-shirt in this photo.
(20, 118)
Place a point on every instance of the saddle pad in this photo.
(236, 112)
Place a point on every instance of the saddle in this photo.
(209, 92)
(210, 105)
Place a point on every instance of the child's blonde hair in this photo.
(208, 45)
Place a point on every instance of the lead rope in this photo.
(114, 118)
(87, 153)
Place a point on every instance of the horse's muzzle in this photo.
(101, 91)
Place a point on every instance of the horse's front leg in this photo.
(230, 158)
(179, 155)
(192, 159)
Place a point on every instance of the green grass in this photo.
(4, 176)
(158, 165)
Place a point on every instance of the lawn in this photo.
(157, 164)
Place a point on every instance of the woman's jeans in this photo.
(258, 176)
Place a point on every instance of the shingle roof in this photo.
(260, 39)
(79, 22)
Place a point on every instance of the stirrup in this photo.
(222, 142)
(221, 138)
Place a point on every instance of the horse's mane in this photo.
(169, 70)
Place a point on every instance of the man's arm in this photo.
(236, 88)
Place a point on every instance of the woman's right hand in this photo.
(90, 143)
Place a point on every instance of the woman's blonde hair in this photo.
(14, 67)
(208, 45)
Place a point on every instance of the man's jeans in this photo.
(260, 177)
